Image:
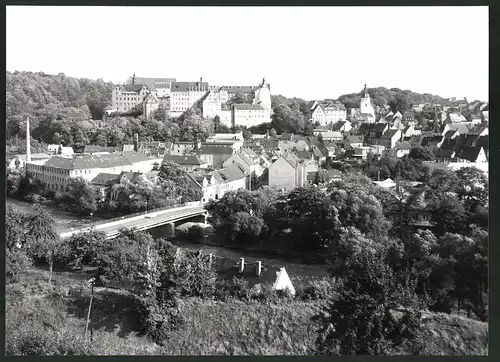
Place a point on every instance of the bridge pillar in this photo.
(170, 229)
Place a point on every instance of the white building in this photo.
(126, 97)
(366, 107)
(183, 95)
(249, 115)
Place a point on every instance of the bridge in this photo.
(146, 220)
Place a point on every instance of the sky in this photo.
(306, 52)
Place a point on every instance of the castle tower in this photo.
(28, 141)
(263, 95)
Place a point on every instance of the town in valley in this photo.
(166, 216)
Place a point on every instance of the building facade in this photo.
(183, 95)
(126, 97)
(249, 115)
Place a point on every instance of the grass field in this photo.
(46, 315)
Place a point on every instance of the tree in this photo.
(81, 248)
(367, 318)
(272, 133)
(79, 197)
(44, 241)
(286, 120)
(238, 215)
(472, 187)
(422, 153)
(448, 214)
(310, 216)
(17, 240)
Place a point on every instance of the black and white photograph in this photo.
(247, 180)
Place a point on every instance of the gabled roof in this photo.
(132, 87)
(131, 176)
(134, 157)
(477, 130)
(106, 179)
(86, 161)
(449, 145)
(366, 128)
(449, 134)
(184, 160)
(317, 152)
(187, 86)
(444, 153)
(469, 153)
(232, 172)
(248, 107)
(390, 133)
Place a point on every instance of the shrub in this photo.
(196, 233)
(16, 264)
(318, 290)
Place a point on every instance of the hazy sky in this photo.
(308, 52)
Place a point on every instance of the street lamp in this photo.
(91, 214)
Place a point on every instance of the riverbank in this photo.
(63, 221)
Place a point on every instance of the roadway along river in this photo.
(64, 222)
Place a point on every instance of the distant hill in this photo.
(40, 96)
(395, 98)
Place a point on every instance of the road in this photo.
(144, 222)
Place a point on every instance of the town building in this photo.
(249, 115)
(151, 104)
(99, 150)
(127, 97)
(56, 171)
(389, 139)
(188, 163)
(287, 172)
(183, 95)
(215, 154)
(215, 184)
(159, 86)
(184, 147)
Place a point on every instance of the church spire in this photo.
(365, 91)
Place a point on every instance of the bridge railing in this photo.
(150, 211)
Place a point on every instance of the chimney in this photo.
(242, 265)
(136, 142)
(133, 78)
(28, 141)
(258, 268)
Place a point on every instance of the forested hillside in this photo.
(396, 98)
(45, 97)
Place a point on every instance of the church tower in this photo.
(366, 106)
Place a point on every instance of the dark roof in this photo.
(105, 179)
(232, 172)
(216, 150)
(354, 139)
(389, 134)
(132, 87)
(444, 153)
(187, 86)
(270, 144)
(86, 161)
(449, 145)
(317, 152)
(477, 130)
(184, 159)
(130, 175)
(431, 139)
(409, 114)
(304, 155)
(243, 106)
(449, 134)
(469, 153)
(240, 89)
(154, 83)
(286, 136)
(136, 156)
(95, 149)
(366, 128)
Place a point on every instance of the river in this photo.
(64, 222)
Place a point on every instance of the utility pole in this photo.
(89, 314)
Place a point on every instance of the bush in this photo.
(318, 290)
(196, 233)
(16, 264)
